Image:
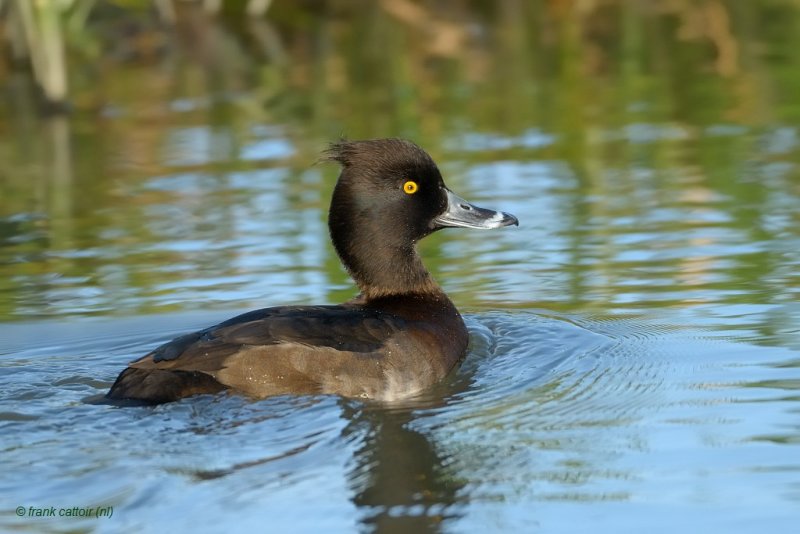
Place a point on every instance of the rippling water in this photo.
(635, 353)
(551, 421)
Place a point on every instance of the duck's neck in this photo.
(381, 271)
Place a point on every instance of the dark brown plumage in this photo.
(398, 337)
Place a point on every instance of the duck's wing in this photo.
(285, 349)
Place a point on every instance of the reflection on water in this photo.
(549, 419)
(634, 343)
(413, 490)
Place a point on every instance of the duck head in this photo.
(390, 194)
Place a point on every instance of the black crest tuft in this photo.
(387, 154)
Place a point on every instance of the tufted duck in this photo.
(400, 335)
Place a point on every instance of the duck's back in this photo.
(386, 350)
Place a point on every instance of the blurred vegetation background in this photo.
(74, 52)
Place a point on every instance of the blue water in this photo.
(634, 361)
(553, 422)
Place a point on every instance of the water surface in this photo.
(635, 353)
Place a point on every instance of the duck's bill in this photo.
(460, 213)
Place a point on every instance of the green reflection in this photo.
(666, 142)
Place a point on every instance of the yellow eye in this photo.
(410, 187)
